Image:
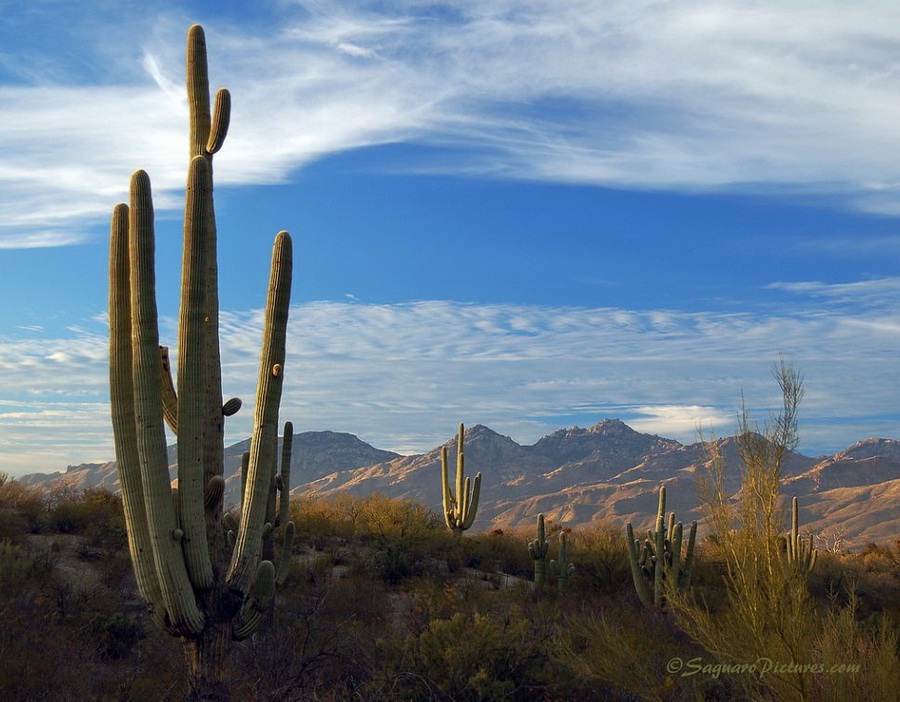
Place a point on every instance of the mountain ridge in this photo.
(575, 476)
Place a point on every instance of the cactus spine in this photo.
(563, 568)
(196, 587)
(459, 509)
(658, 561)
(537, 549)
(802, 556)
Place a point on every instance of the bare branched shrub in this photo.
(769, 614)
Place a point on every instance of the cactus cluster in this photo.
(197, 588)
(561, 567)
(459, 508)
(801, 555)
(659, 559)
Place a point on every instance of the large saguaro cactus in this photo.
(459, 508)
(197, 587)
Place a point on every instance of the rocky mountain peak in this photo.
(612, 428)
(620, 444)
(482, 433)
(485, 447)
(873, 448)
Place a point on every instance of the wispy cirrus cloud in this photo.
(879, 292)
(700, 95)
(401, 376)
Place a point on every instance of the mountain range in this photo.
(606, 473)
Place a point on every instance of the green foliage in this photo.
(768, 610)
(95, 513)
(397, 538)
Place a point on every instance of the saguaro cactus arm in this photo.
(206, 131)
(177, 593)
(257, 604)
(283, 479)
(687, 564)
(637, 557)
(122, 407)
(263, 443)
(169, 396)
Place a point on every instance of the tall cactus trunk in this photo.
(207, 664)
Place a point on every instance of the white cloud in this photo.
(882, 292)
(402, 376)
(693, 95)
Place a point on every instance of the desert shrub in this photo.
(18, 567)
(93, 512)
(505, 551)
(600, 558)
(116, 635)
(21, 508)
(397, 538)
(473, 656)
(66, 511)
(323, 522)
(873, 649)
(320, 645)
(626, 653)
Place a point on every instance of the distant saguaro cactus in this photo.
(537, 549)
(659, 557)
(562, 566)
(801, 555)
(459, 509)
(198, 588)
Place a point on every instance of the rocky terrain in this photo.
(575, 476)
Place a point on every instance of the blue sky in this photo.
(526, 214)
